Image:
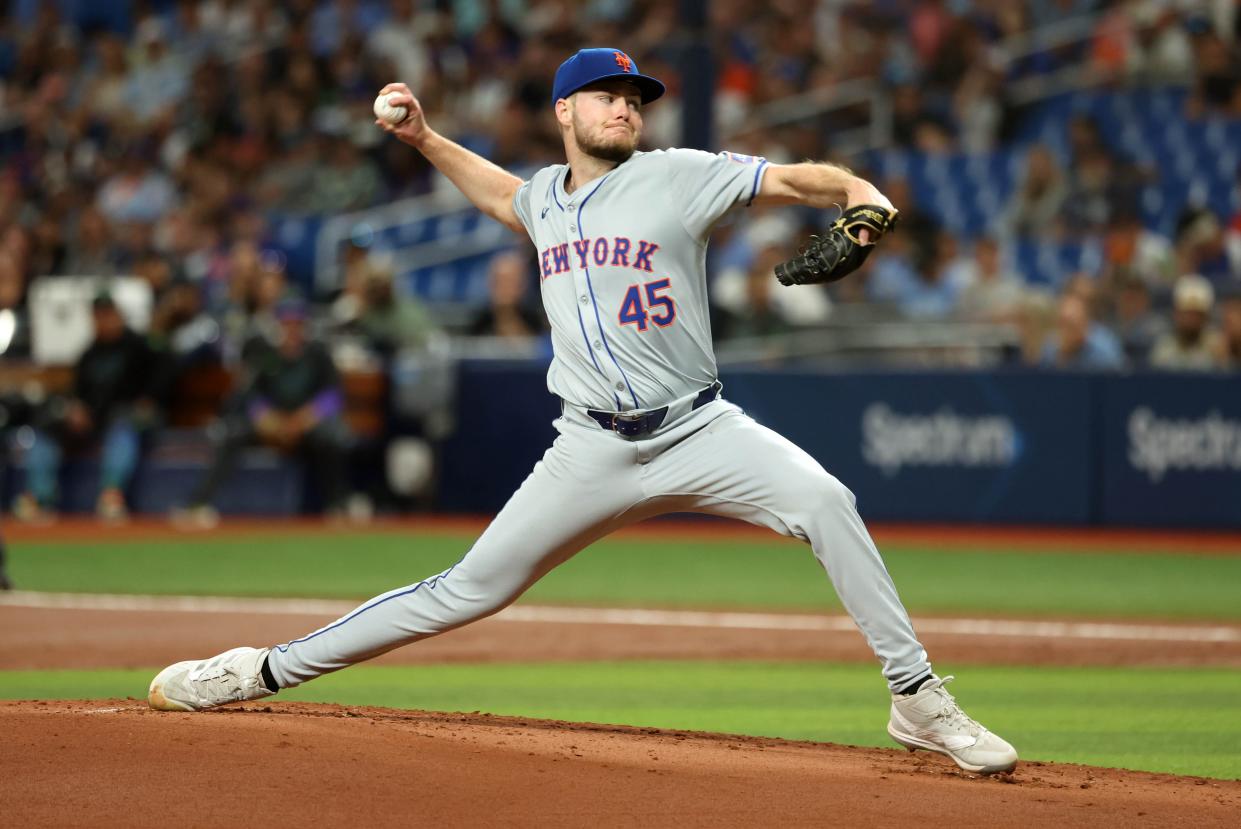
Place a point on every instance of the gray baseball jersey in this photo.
(623, 273)
(622, 263)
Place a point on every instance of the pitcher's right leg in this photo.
(581, 490)
(578, 493)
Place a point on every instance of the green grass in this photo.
(775, 574)
(1178, 721)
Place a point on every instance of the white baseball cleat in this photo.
(233, 676)
(931, 719)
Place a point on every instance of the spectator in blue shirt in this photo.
(1079, 342)
(925, 286)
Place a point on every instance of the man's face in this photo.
(109, 324)
(1189, 322)
(607, 119)
(1132, 302)
(1074, 323)
(292, 335)
(508, 281)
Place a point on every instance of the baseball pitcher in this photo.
(622, 237)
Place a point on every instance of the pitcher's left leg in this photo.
(735, 467)
(738, 468)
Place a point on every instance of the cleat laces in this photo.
(217, 684)
(952, 715)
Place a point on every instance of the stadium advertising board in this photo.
(1171, 450)
(941, 447)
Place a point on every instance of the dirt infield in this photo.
(115, 763)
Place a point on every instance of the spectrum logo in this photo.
(893, 441)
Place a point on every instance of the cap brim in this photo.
(650, 88)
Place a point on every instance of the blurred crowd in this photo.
(1167, 298)
(159, 138)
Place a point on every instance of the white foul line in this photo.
(630, 616)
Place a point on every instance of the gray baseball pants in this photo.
(714, 460)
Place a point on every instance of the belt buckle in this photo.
(628, 421)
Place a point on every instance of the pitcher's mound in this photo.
(116, 763)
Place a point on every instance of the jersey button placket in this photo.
(591, 318)
(594, 339)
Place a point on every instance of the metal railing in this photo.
(838, 345)
(817, 103)
(454, 241)
(877, 133)
(841, 344)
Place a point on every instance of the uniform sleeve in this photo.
(521, 206)
(707, 185)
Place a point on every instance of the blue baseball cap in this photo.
(591, 65)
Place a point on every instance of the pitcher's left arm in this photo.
(818, 184)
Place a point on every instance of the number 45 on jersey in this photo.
(645, 303)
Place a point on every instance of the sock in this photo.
(911, 688)
(269, 681)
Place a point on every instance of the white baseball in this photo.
(384, 111)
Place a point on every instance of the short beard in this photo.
(1189, 337)
(616, 152)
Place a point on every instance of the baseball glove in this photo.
(840, 251)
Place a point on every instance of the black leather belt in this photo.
(632, 424)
